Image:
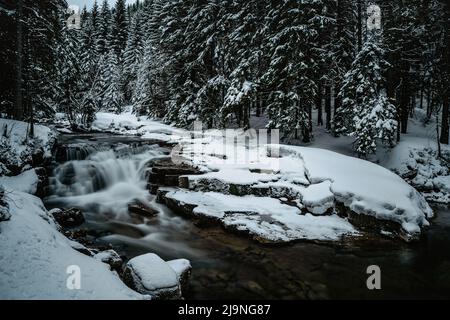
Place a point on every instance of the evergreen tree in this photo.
(119, 28)
(103, 35)
(366, 113)
(132, 54)
(113, 98)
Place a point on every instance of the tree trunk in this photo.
(404, 105)
(319, 105)
(328, 106)
(19, 59)
(360, 25)
(337, 99)
(445, 120)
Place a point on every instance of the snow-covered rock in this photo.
(149, 274)
(111, 258)
(25, 182)
(265, 219)
(317, 180)
(318, 198)
(183, 269)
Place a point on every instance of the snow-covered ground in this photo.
(130, 124)
(16, 149)
(35, 259)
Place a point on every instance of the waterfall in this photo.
(105, 182)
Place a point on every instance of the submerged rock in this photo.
(142, 210)
(149, 274)
(68, 218)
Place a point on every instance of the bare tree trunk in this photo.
(319, 105)
(19, 57)
(445, 119)
(328, 106)
(360, 25)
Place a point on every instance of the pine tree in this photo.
(366, 113)
(103, 35)
(113, 98)
(119, 28)
(289, 76)
(132, 54)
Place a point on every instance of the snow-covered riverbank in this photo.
(285, 193)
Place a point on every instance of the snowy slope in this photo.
(35, 256)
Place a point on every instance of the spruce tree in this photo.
(366, 113)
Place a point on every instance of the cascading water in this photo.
(104, 183)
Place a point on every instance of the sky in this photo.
(89, 3)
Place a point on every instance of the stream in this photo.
(102, 182)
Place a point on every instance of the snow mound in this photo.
(367, 188)
(35, 258)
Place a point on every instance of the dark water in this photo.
(230, 266)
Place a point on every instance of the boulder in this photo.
(142, 210)
(183, 269)
(69, 218)
(149, 274)
(111, 258)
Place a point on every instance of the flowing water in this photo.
(102, 174)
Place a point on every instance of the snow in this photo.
(25, 182)
(16, 133)
(264, 217)
(35, 258)
(128, 123)
(180, 266)
(367, 188)
(153, 273)
(362, 186)
(318, 198)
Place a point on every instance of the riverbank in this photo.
(300, 270)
